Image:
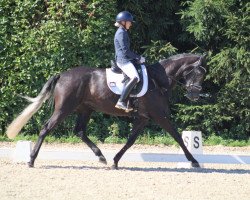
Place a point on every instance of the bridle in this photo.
(191, 86)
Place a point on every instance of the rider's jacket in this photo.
(123, 54)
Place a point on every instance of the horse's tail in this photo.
(17, 124)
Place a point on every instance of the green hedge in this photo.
(41, 38)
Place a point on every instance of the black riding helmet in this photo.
(124, 16)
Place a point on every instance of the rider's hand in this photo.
(142, 60)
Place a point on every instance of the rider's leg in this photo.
(131, 72)
(121, 104)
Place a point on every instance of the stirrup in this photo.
(128, 109)
(121, 105)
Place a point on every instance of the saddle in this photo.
(116, 80)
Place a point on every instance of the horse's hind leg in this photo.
(52, 122)
(80, 128)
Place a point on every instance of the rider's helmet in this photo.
(124, 16)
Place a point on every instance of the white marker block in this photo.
(22, 151)
(193, 142)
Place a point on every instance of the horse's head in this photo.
(186, 69)
(193, 77)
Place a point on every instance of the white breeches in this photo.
(129, 70)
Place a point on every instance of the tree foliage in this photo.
(222, 28)
(41, 38)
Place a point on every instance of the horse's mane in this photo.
(177, 57)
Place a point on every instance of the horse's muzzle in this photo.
(193, 92)
(193, 96)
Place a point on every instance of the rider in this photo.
(123, 56)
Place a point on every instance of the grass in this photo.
(217, 140)
(144, 139)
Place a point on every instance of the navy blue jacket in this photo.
(123, 54)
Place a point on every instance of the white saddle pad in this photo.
(115, 84)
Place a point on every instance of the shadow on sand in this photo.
(150, 169)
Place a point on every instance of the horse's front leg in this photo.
(138, 126)
(165, 123)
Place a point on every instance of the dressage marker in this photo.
(193, 142)
(22, 151)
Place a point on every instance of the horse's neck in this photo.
(174, 70)
(176, 65)
(165, 72)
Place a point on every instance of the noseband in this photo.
(192, 86)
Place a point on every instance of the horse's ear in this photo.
(198, 62)
(202, 62)
(203, 58)
(204, 55)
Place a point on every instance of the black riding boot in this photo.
(121, 104)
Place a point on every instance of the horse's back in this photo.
(77, 72)
(81, 84)
(72, 82)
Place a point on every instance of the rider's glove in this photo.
(142, 60)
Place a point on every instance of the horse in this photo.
(83, 90)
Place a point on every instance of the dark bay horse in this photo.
(84, 90)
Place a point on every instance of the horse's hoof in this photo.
(114, 167)
(103, 160)
(30, 165)
(196, 165)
